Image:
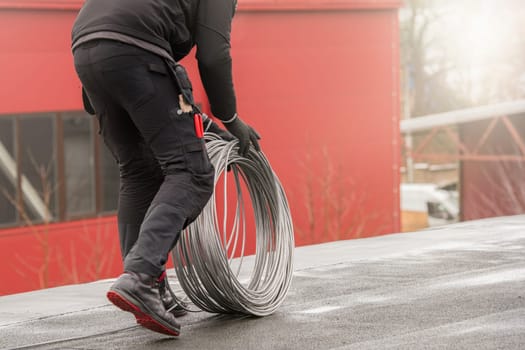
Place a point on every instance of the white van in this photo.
(427, 205)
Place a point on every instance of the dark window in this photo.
(438, 211)
(8, 178)
(54, 167)
(79, 164)
(38, 166)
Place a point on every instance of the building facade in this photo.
(318, 79)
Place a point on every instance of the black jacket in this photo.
(176, 26)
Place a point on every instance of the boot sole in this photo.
(143, 318)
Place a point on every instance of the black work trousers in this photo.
(165, 173)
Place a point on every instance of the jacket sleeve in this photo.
(212, 38)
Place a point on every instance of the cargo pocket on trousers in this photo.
(197, 159)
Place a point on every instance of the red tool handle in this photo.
(199, 127)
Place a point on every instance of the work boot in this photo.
(138, 293)
(167, 296)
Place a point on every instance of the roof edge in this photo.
(41, 4)
(244, 5)
(317, 5)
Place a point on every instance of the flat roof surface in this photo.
(455, 287)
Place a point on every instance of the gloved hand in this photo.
(245, 133)
(211, 126)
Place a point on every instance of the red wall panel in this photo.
(56, 254)
(492, 188)
(320, 89)
(36, 68)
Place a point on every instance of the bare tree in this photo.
(335, 205)
(462, 53)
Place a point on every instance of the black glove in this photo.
(211, 126)
(244, 133)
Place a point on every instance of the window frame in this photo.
(58, 144)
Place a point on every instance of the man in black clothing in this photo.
(125, 54)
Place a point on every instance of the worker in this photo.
(126, 55)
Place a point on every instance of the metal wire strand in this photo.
(206, 272)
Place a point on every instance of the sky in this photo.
(484, 43)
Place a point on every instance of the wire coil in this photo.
(204, 257)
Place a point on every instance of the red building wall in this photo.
(493, 187)
(317, 79)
